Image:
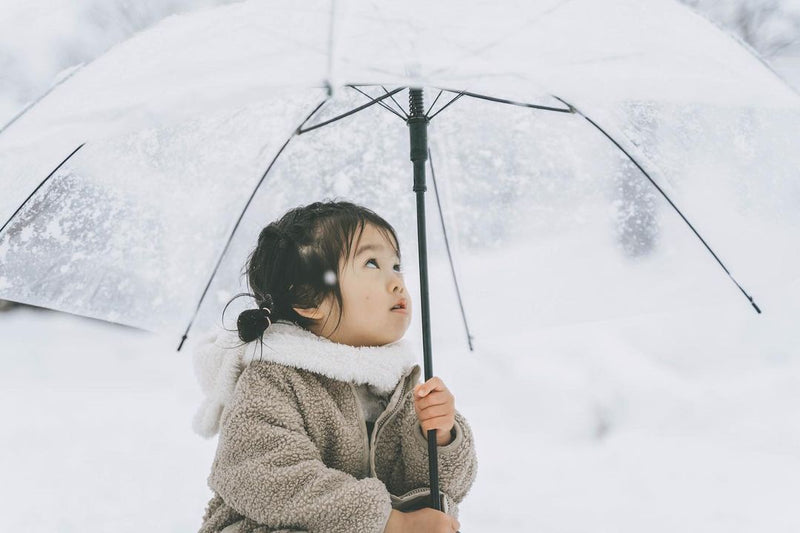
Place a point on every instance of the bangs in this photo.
(353, 241)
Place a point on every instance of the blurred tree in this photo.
(771, 27)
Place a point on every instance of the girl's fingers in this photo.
(437, 398)
(444, 423)
(435, 405)
(436, 410)
(429, 386)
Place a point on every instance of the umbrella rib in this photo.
(241, 215)
(331, 41)
(449, 255)
(511, 102)
(382, 104)
(434, 102)
(398, 105)
(459, 95)
(40, 186)
(667, 198)
(300, 130)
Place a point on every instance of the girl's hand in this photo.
(436, 409)
(422, 521)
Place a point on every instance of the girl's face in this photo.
(372, 286)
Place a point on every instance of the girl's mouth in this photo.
(399, 306)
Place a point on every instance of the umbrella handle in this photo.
(433, 468)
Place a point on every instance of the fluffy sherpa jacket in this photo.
(293, 451)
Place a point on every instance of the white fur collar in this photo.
(220, 358)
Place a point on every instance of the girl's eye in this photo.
(397, 267)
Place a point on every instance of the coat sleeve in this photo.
(268, 469)
(404, 456)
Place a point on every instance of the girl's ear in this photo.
(314, 313)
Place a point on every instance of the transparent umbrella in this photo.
(179, 126)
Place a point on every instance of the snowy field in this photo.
(661, 422)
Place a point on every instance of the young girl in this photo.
(321, 417)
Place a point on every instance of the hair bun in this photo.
(252, 323)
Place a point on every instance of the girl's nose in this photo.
(397, 284)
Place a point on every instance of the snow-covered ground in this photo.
(663, 422)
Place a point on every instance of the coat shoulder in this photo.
(274, 373)
(294, 385)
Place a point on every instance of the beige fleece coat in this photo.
(293, 451)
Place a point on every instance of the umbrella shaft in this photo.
(418, 131)
(423, 284)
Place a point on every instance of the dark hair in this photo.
(289, 264)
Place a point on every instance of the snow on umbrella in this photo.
(133, 192)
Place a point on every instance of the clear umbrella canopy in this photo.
(183, 122)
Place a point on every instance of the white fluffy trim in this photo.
(220, 358)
